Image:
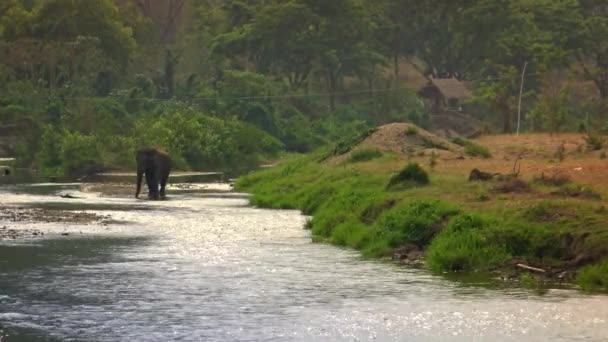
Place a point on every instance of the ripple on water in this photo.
(212, 269)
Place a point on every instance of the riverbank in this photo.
(545, 221)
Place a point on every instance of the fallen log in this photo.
(530, 268)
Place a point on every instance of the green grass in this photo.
(473, 149)
(411, 130)
(364, 155)
(594, 277)
(429, 143)
(411, 175)
(346, 145)
(352, 207)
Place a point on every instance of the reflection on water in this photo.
(208, 268)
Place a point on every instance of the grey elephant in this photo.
(156, 164)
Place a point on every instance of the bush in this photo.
(411, 175)
(463, 246)
(594, 277)
(473, 149)
(363, 155)
(411, 130)
(430, 143)
(346, 145)
(416, 222)
(595, 142)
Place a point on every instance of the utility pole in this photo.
(521, 90)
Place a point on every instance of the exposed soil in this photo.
(113, 189)
(406, 140)
(15, 214)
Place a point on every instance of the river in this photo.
(204, 266)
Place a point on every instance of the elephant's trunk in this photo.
(140, 175)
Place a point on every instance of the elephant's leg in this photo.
(152, 185)
(163, 184)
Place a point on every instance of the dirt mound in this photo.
(405, 139)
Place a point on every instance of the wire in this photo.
(260, 97)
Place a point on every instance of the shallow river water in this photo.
(204, 266)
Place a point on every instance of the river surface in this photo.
(204, 266)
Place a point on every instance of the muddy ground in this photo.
(10, 215)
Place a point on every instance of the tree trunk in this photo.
(603, 105)
(331, 83)
(506, 116)
(396, 68)
(505, 109)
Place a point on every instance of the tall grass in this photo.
(594, 277)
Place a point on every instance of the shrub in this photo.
(416, 222)
(411, 175)
(594, 277)
(472, 149)
(595, 142)
(411, 130)
(462, 246)
(346, 145)
(430, 143)
(363, 155)
(540, 211)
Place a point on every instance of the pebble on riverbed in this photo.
(34, 215)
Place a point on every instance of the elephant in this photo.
(156, 164)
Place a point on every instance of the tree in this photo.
(66, 20)
(292, 39)
(593, 52)
(539, 32)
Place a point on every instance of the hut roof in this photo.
(450, 88)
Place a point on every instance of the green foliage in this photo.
(345, 145)
(430, 143)
(247, 79)
(595, 142)
(593, 277)
(463, 246)
(104, 137)
(473, 149)
(416, 222)
(411, 130)
(411, 175)
(363, 155)
(350, 208)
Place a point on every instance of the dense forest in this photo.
(222, 84)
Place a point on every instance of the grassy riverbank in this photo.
(456, 224)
